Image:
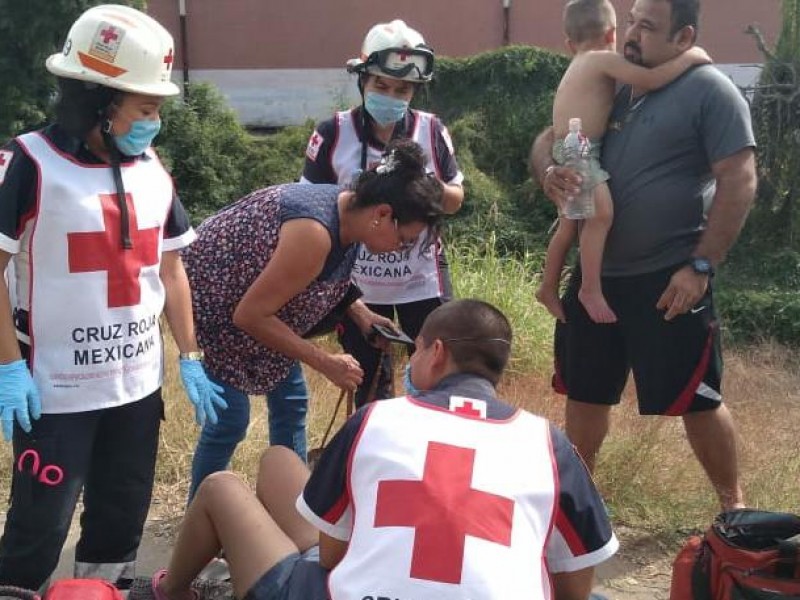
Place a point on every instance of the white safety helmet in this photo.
(118, 47)
(394, 50)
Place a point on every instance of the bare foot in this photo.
(597, 307)
(549, 298)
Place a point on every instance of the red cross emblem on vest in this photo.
(102, 251)
(5, 158)
(468, 407)
(444, 509)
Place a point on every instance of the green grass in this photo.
(508, 283)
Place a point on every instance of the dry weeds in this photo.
(655, 490)
(646, 471)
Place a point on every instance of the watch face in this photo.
(702, 265)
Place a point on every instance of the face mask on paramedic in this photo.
(139, 137)
(384, 109)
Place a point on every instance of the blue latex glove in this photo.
(204, 394)
(19, 397)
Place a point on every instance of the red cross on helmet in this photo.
(118, 47)
(394, 50)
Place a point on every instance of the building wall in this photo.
(281, 62)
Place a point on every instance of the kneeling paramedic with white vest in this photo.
(444, 493)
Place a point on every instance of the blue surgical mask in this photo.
(385, 109)
(138, 138)
(408, 384)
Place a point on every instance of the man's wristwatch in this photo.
(199, 355)
(701, 266)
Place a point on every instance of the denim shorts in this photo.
(597, 174)
(296, 577)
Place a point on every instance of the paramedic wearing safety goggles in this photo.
(409, 283)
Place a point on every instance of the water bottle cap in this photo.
(575, 124)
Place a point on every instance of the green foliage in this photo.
(751, 266)
(789, 39)
(757, 295)
(776, 118)
(205, 148)
(281, 155)
(753, 315)
(757, 287)
(508, 93)
(30, 31)
(214, 159)
(495, 104)
(508, 282)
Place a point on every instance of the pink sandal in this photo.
(157, 593)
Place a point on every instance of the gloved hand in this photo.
(19, 397)
(204, 394)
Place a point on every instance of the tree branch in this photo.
(754, 31)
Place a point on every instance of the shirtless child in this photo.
(587, 91)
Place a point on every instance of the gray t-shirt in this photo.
(659, 149)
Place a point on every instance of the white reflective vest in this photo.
(443, 509)
(389, 277)
(93, 307)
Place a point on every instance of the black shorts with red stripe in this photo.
(676, 365)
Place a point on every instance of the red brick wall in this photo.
(281, 34)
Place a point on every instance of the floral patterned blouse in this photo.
(231, 250)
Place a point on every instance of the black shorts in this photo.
(677, 364)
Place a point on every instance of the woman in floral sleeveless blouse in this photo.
(269, 267)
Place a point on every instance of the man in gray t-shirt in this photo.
(661, 149)
(682, 168)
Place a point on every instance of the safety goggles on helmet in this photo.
(412, 64)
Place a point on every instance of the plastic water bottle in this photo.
(576, 153)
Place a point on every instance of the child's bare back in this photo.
(588, 86)
(587, 92)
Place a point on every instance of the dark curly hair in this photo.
(401, 181)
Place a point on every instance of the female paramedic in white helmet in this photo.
(92, 222)
(410, 283)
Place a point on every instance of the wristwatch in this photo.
(701, 265)
(199, 355)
